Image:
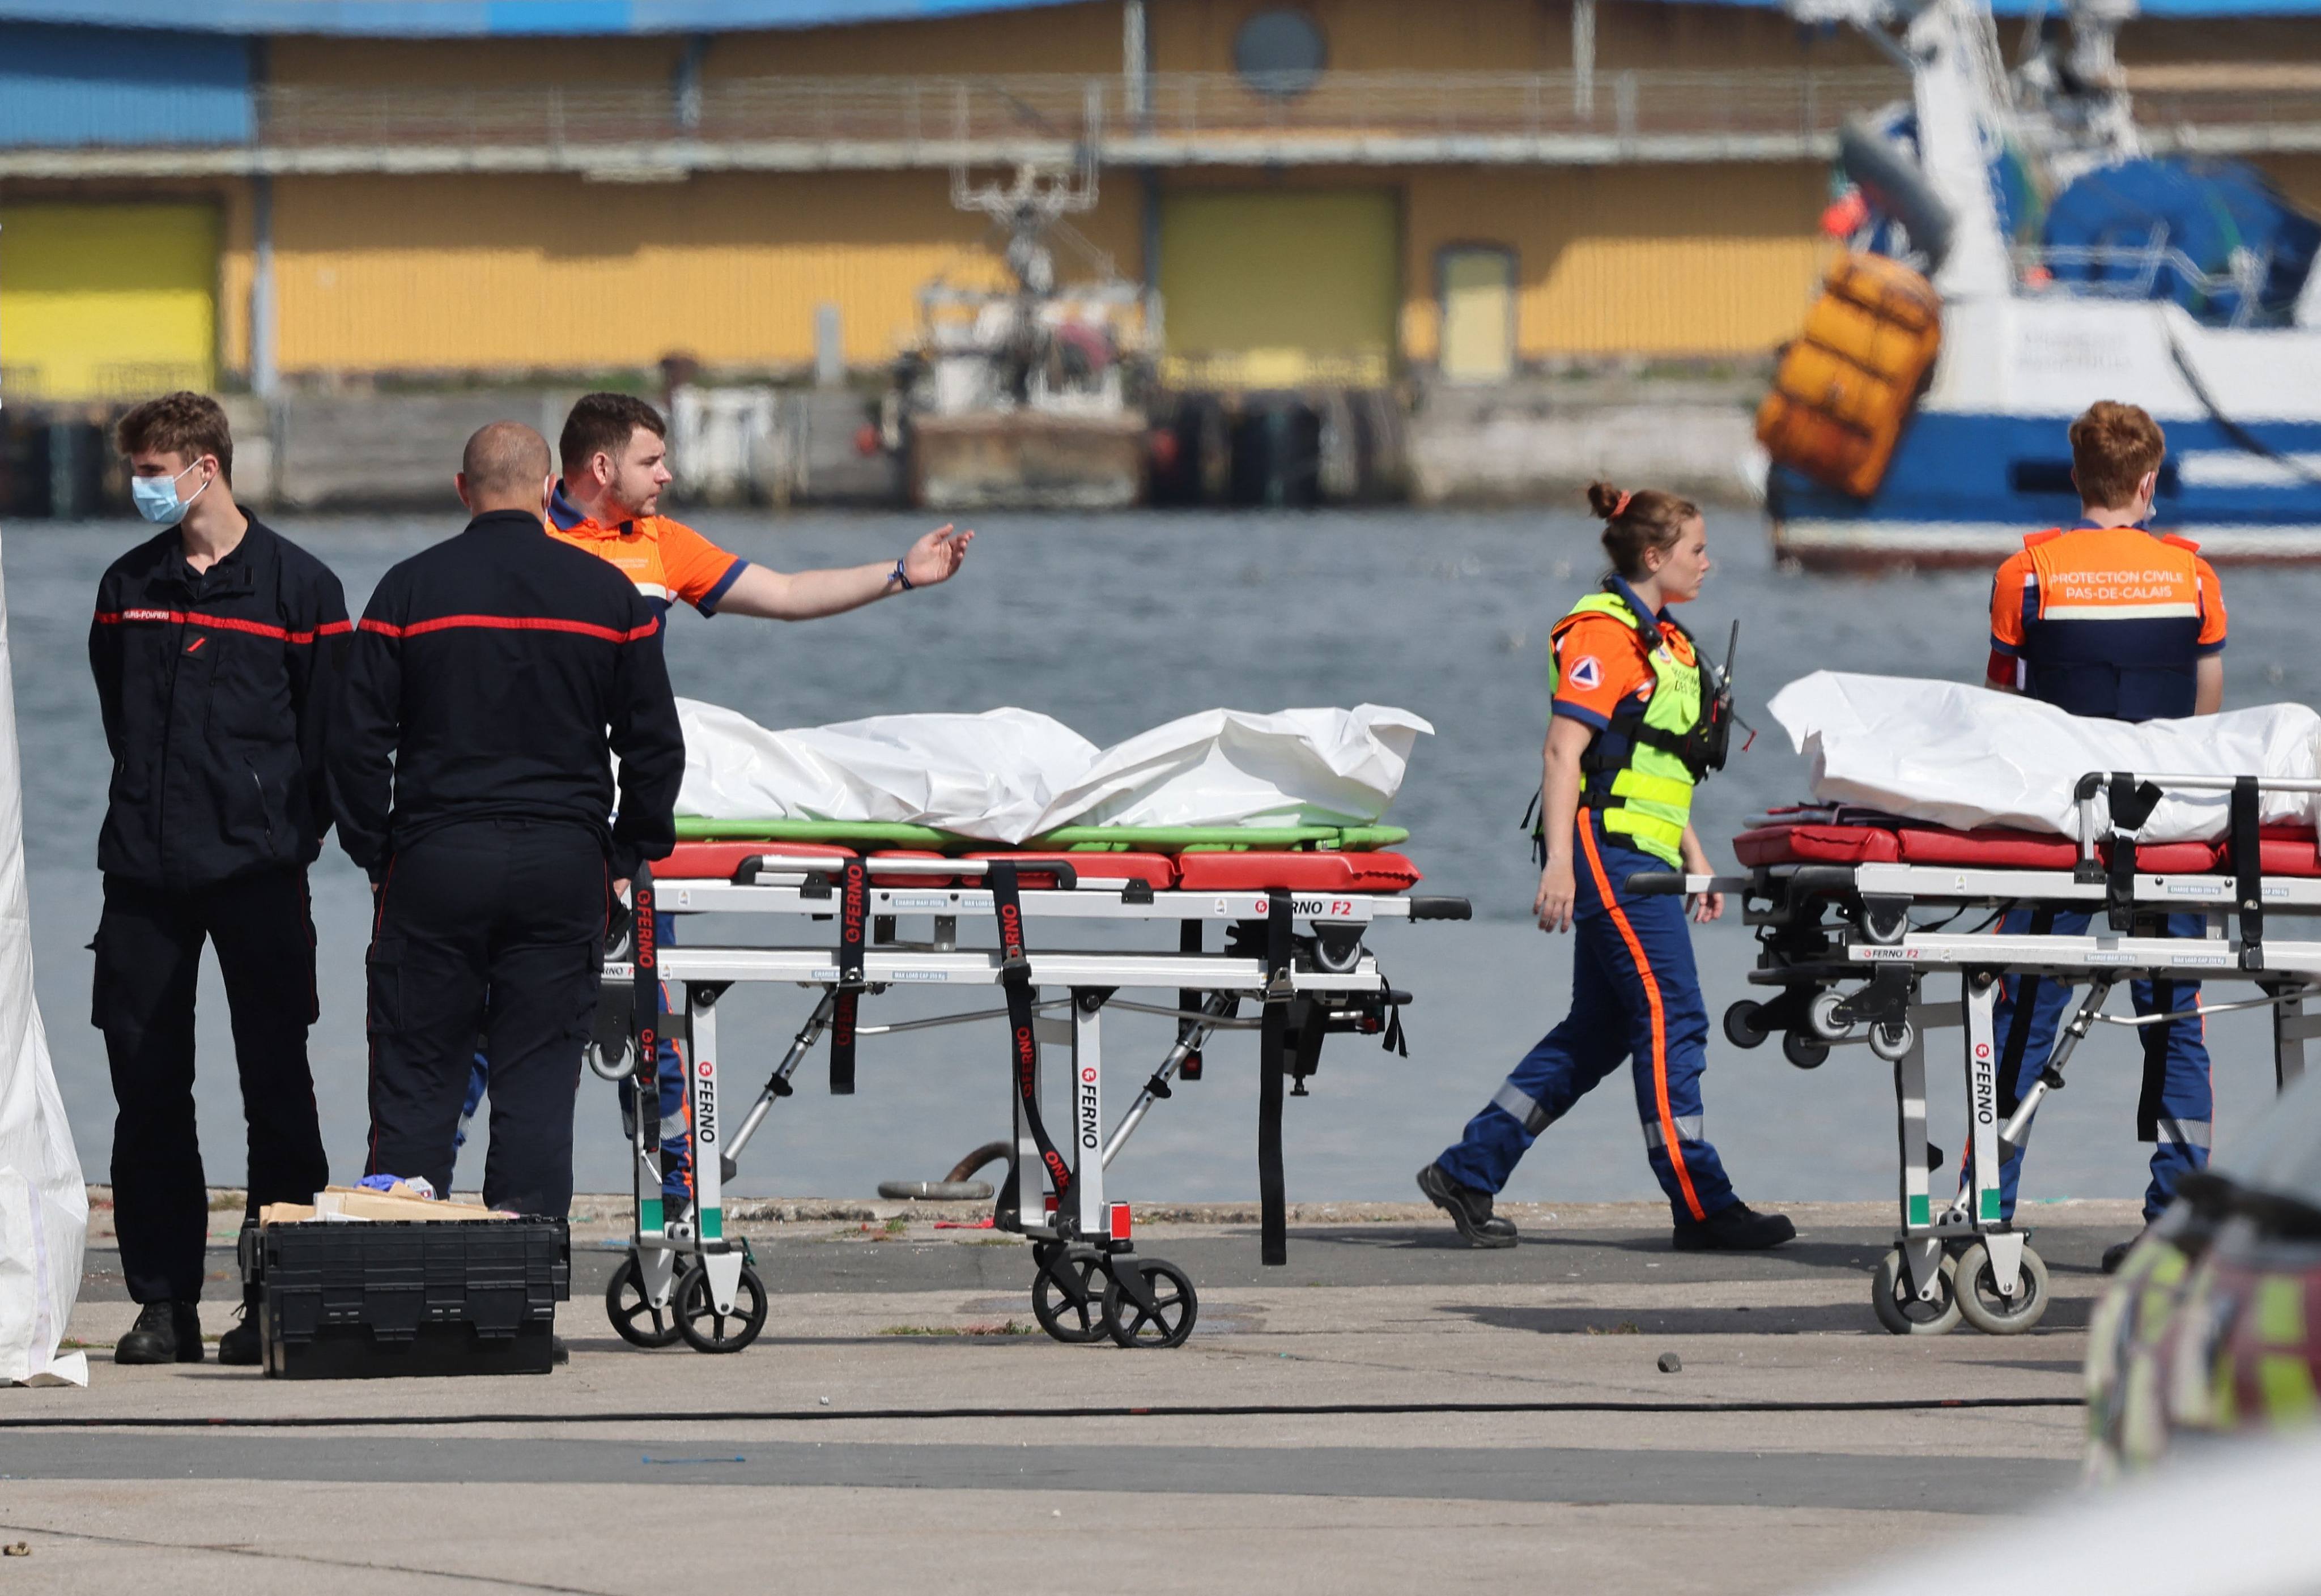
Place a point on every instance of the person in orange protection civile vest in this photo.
(2105, 619)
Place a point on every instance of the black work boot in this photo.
(164, 1333)
(1739, 1228)
(2116, 1253)
(1470, 1210)
(240, 1346)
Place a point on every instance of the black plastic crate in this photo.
(366, 1300)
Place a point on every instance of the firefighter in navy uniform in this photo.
(214, 647)
(1630, 737)
(2105, 619)
(492, 679)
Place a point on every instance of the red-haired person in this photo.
(215, 648)
(1625, 746)
(2106, 618)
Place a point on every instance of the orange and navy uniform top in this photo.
(2106, 620)
(668, 561)
(1601, 659)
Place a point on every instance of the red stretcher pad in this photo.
(1254, 871)
(2287, 850)
(717, 861)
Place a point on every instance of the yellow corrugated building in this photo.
(1272, 270)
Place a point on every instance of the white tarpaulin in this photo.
(43, 1205)
(1008, 774)
(1962, 756)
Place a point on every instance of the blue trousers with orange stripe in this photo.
(1635, 997)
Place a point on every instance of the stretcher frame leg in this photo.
(1921, 1247)
(720, 1259)
(1091, 1215)
(1979, 995)
(1910, 1132)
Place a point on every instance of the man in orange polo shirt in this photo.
(614, 453)
(2105, 619)
(615, 459)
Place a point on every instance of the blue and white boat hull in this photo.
(1986, 457)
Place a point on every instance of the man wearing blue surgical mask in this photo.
(215, 645)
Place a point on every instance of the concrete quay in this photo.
(1388, 1410)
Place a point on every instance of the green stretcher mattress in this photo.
(872, 835)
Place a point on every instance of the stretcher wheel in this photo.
(635, 1320)
(1893, 1043)
(705, 1328)
(1745, 1024)
(611, 1066)
(1804, 1051)
(1901, 1311)
(1065, 1296)
(1823, 1013)
(1335, 951)
(1979, 1298)
(1175, 1307)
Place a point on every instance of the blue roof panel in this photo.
(448, 19)
(443, 19)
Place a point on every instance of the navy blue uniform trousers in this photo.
(148, 957)
(2178, 1102)
(496, 927)
(1636, 998)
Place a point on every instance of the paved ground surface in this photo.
(1387, 1410)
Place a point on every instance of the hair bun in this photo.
(1605, 501)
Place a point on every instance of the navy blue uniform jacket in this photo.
(493, 677)
(215, 688)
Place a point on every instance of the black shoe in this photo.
(239, 1348)
(1470, 1210)
(2116, 1253)
(164, 1333)
(1739, 1228)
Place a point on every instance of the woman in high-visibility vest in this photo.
(1629, 736)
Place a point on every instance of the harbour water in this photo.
(1116, 625)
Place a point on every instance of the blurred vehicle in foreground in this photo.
(2223, 1524)
(2209, 1329)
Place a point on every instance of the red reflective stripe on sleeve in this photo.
(514, 623)
(258, 629)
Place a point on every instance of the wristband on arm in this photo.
(897, 575)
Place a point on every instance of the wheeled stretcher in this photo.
(1294, 916)
(1854, 910)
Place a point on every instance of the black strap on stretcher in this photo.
(1024, 1041)
(644, 1004)
(2131, 804)
(1272, 1063)
(2246, 831)
(1189, 941)
(853, 934)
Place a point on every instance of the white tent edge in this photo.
(43, 1199)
